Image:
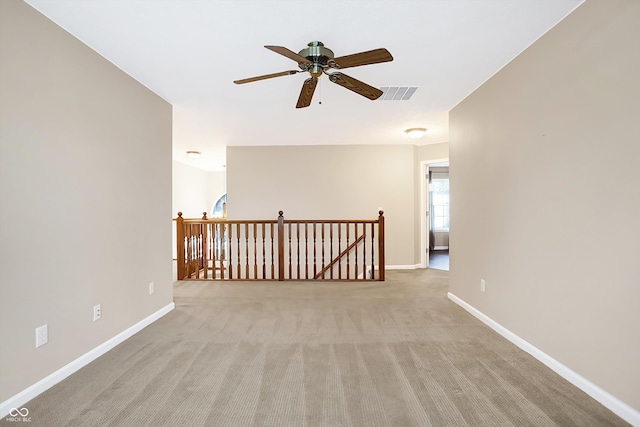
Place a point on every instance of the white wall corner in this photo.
(19, 400)
(609, 401)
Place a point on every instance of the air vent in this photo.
(397, 93)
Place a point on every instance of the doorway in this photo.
(435, 219)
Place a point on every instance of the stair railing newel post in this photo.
(280, 246)
(180, 246)
(381, 260)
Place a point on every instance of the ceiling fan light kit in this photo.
(193, 154)
(316, 59)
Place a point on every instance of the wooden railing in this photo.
(222, 249)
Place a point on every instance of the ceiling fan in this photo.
(317, 59)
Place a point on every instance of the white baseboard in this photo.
(440, 248)
(391, 267)
(403, 267)
(611, 402)
(49, 381)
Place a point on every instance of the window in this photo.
(218, 210)
(440, 201)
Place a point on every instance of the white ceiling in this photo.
(190, 51)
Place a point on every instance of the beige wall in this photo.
(195, 190)
(328, 182)
(433, 152)
(526, 148)
(85, 198)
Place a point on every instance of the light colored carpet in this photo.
(394, 353)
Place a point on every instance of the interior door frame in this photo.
(424, 203)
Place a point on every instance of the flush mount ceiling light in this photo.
(193, 154)
(415, 132)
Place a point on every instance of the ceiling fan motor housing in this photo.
(318, 54)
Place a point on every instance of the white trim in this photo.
(391, 267)
(402, 267)
(611, 402)
(49, 381)
(440, 248)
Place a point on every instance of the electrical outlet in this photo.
(482, 285)
(42, 335)
(152, 288)
(97, 312)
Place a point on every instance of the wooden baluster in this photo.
(306, 251)
(187, 242)
(230, 251)
(194, 250)
(225, 245)
(214, 247)
(255, 250)
(198, 249)
(298, 247)
(219, 251)
(246, 250)
(331, 248)
(222, 254)
(315, 245)
(238, 232)
(381, 259)
(356, 248)
(192, 246)
(199, 255)
(364, 251)
(180, 246)
(195, 244)
(280, 246)
(373, 266)
(273, 274)
(339, 250)
(219, 243)
(205, 247)
(189, 250)
(213, 250)
(347, 226)
(264, 256)
(202, 249)
(290, 259)
(322, 229)
(197, 233)
(214, 242)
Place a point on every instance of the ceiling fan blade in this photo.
(363, 58)
(355, 85)
(289, 54)
(308, 87)
(266, 76)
